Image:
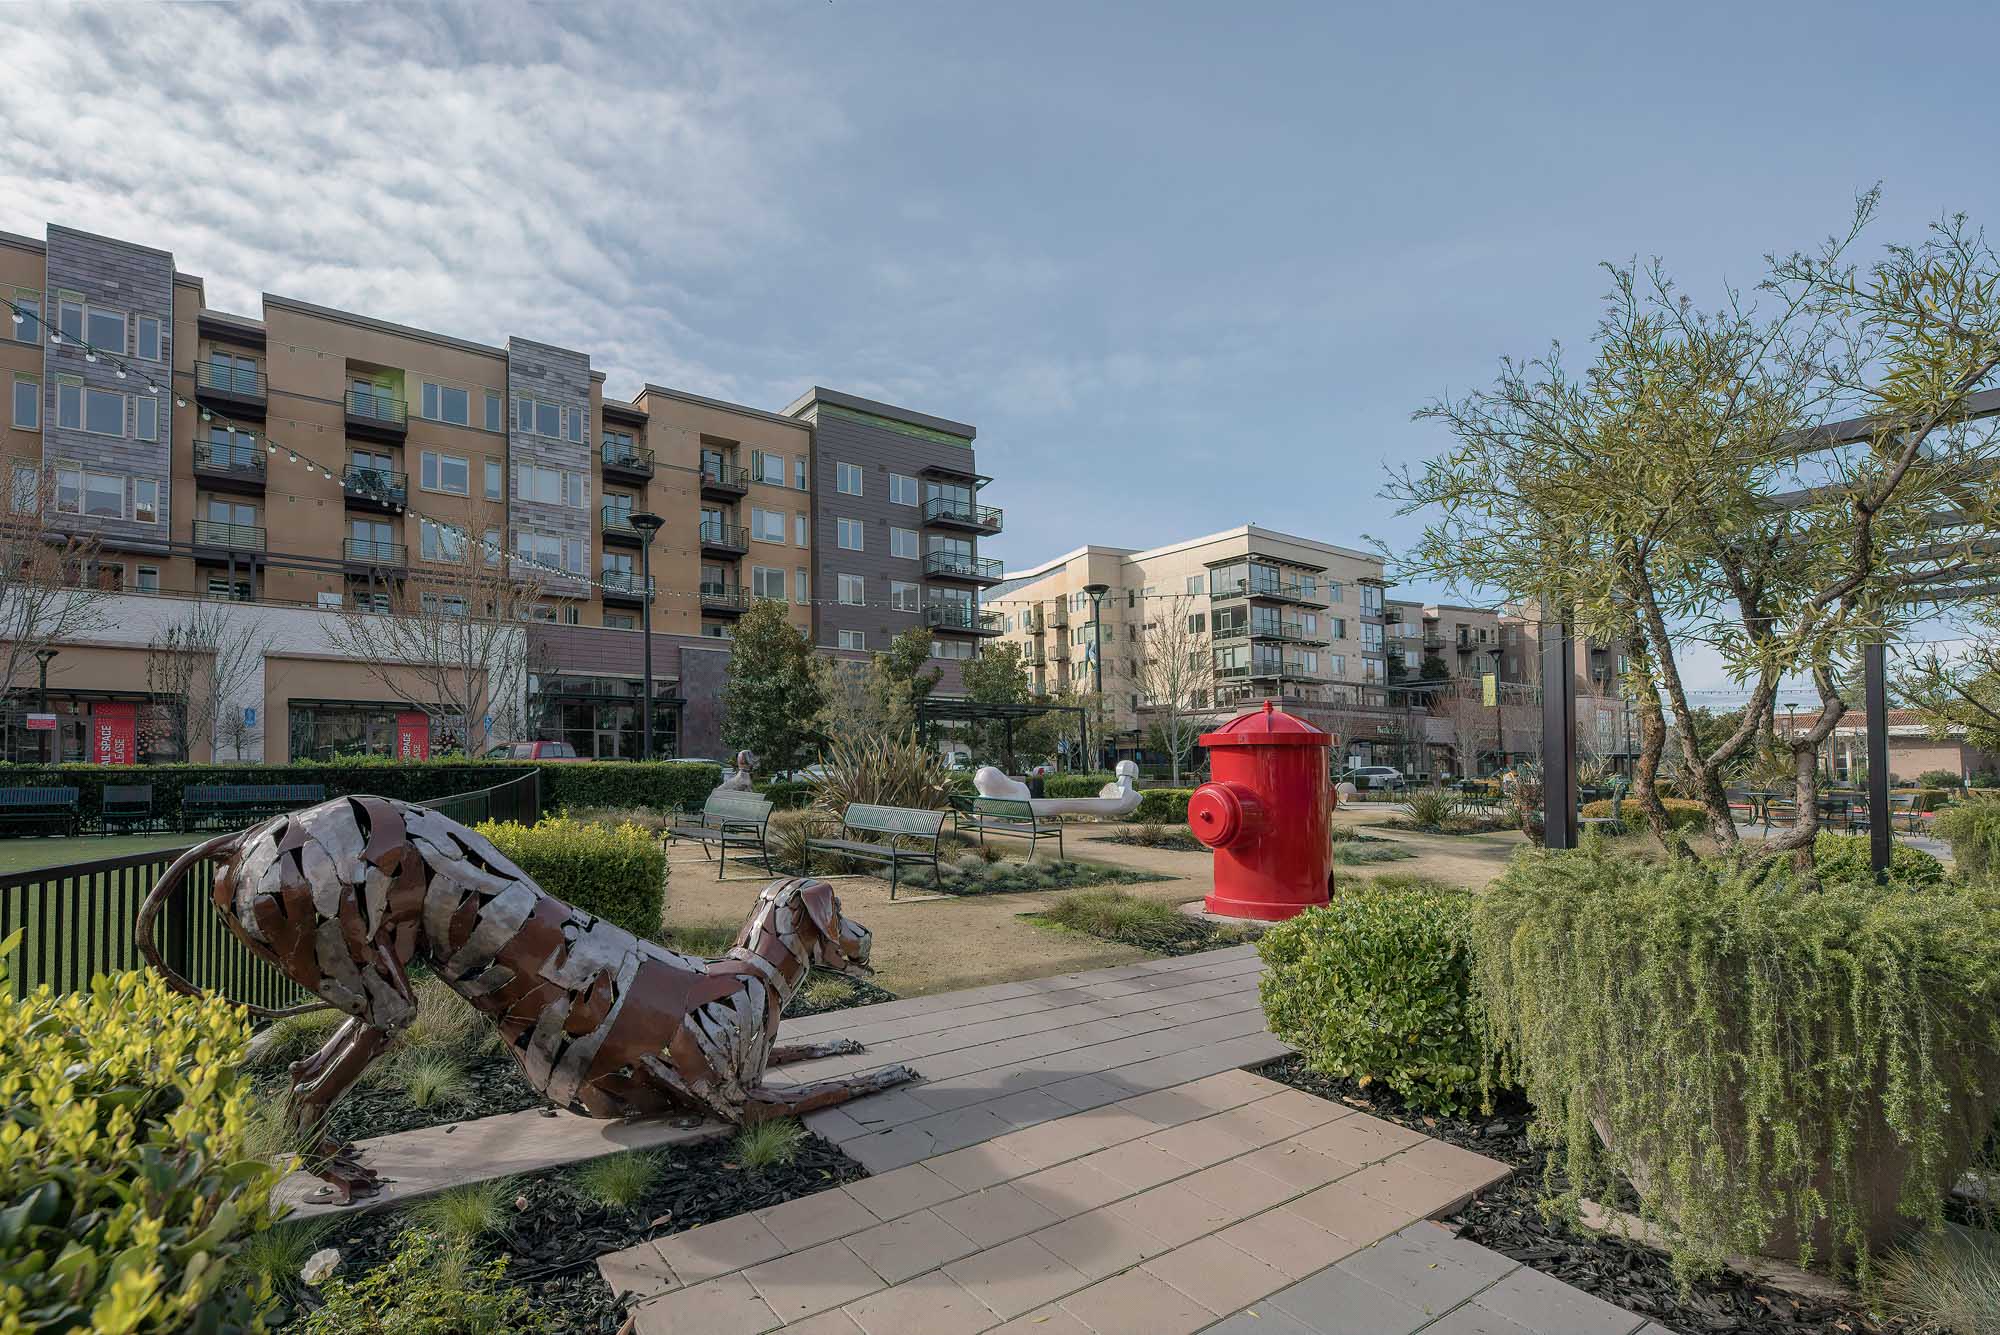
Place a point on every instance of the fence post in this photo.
(180, 920)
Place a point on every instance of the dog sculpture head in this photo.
(840, 944)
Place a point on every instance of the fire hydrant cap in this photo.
(1215, 814)
(1266, 726)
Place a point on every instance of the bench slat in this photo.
(893, 820)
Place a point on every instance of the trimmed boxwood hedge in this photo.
(618, 872)
(1076, 785)
(1162, 806)
(664, 784)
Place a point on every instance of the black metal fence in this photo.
(76, 921)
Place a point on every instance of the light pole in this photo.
(648, 525)
(42, 656)
(1499, 717)
(1097, 592)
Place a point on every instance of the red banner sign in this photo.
(114, 732)
(413, 736)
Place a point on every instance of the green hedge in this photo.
(664, 784)
(1076, 785)
(126, 1168)
(1681, 813)
(1162, 806)
(1378, 986)
(617, 872)
(1973, 831)
(787, 796)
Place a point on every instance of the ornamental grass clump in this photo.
(1790, 1071)
(128, 1187)
(878, 769)
(1378, 986)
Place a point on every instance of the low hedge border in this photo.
(618, 872)
(663, 784)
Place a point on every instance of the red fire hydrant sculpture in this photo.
(1264, 812)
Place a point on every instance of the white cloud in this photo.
(570, 174)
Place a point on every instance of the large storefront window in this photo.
(90, 728)
(600, 717)
(331, 729)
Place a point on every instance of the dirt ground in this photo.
(934, 943)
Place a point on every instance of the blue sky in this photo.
(1185, 266)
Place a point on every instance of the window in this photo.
(1333, 591)
(103, 412)
(69, 491)
(495, 420)
(146, 417)
(573, 426)
(802, 582)
(952, 649)
(767, 525)
(847, 478)
(1337, 627)
(105, 330)
(29, 304)
(104, 495)
(146, 500)
(1197, 622)
(620, 621)
(440, 542)
(849, 534)
(768, 582)
(493, 477)
(1371, 634)
(1371, 598)
(903, 542)
(27, 403)
(767, 468)
(902, 490)
(853, 590)
(904, 597)
(149, 339)
(799, 473)
(493, 546)
(446, 403)
(548, 420)
(1337, 664)
(1197, 583)
(27, 494)
(551, 486)
(799, 530)
(448, 473)
(450, 604)
(149, 579)
(854, 639)
(547, 549)
(69, 315)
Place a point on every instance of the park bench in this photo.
(1007, 815)
(891, 822)
(126, 805)
(1615, 822)
(212, 801)
(53, 807)
(727, 820)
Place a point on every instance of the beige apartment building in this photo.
(315, 458)
(1287, 618)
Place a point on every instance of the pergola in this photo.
(935, 710)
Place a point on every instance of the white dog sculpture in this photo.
(1120, 798)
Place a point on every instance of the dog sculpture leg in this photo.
(317, 1084)
(764, 1102)
(805, 1052)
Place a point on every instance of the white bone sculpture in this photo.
(739, 779)
(1114, 799)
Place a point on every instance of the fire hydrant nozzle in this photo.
(1222, 813)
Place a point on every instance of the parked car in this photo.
(1369, 777)
(535, 751)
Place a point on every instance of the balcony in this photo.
(216, 544)
(721, 481)
(965, 516)
(625, 463)
(1035, 658)
(961, 619)
(377, 416)
(230, 389)
(723, 539)
(380, 489)
(970, 569)
(622, 588)
(222, 466)
(1268, 590)
(365, 555)
(727, 599)
(618, 526)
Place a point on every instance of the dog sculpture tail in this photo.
(142, 930)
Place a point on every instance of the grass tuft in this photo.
(295, 1037)
(464, 1214)
(706, 941)
(826, 990)
(1360, 854)
(432, 1077)
(762, 1145)
(278, 1253)
(1946, 1281)
(621, 1180)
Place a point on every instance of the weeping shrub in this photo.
(1775, 1069)
(1973, 831)
(880, 770)
(1845, 859)
(618, 872)
(1378, 986)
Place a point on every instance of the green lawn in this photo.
(28, 854)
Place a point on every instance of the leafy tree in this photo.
(774, 693)
(1959, 692)
(999, 676)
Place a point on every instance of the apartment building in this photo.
(898, 545)
(329, 460)
(1286, 618)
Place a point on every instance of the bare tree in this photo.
(48, 589)
(452, 641)
(197, 667)
(1177, 676)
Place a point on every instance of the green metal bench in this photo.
(727, 820)
(53, 807)
(212, 801)
(126, 806)
(1008, 815)
(893, 823)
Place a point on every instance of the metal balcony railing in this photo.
(715, 533)
(384, 486)
(949, 510)
(372, 406)
(624, 582)
(244, 459)
(618, 520)
(952, 565)
(724, 597)
(953, 616)
(727, 477)
(229, 380)
(234, 537)
(368, 551)
(626, 458)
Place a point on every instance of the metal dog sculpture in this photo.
(343, 897)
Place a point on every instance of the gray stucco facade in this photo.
(560, 378)
(135, 282)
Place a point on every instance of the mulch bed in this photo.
(1173, 841)
(1189, 936)
(1022, 877)
(553, 1244)
(1479, 825)
(861, 992)
(1507, 1218)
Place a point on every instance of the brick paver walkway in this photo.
(1228, 1202)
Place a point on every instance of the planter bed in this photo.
(1507, 1218)
(1167, 933)
(1172, 841)
(971, 876)
(551, 1247)
(1482, 826)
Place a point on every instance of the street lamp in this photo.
(42, 656)
(648, 524)
(1499, 719)
(1097, 592)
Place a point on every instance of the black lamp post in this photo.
(1499, 719)
(1097, 592)
(42, 656)
(648, 524)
